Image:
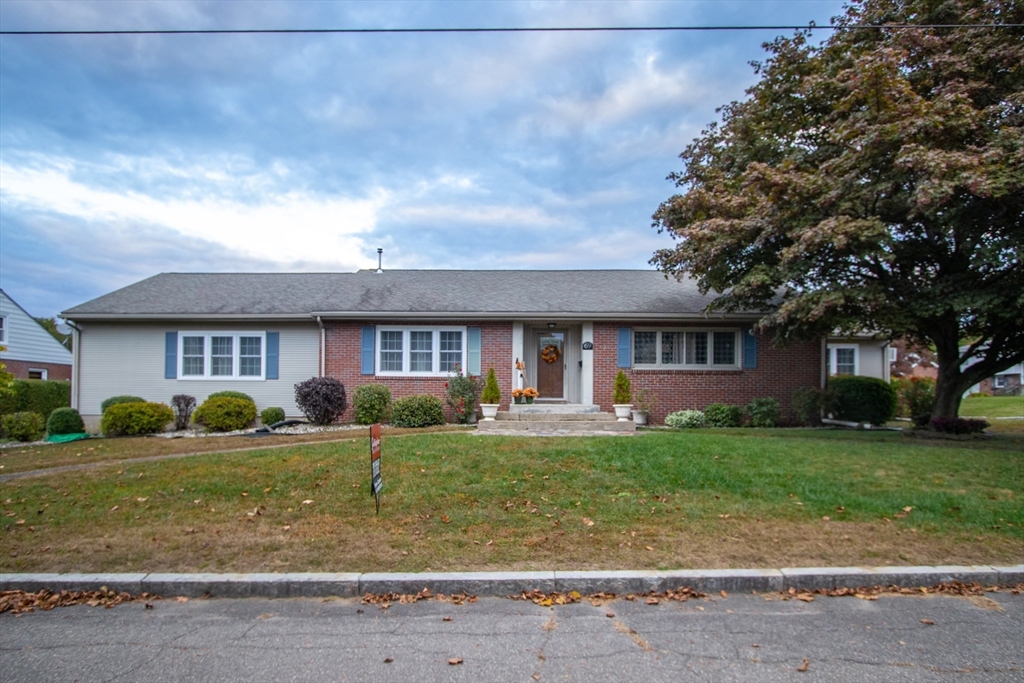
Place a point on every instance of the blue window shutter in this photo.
(273, 354)
(625, 348)
(749, 348)
(367, 350)
(171, 355)
(473, 351)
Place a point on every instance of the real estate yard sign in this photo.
(376, 483)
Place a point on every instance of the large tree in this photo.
(874, 181)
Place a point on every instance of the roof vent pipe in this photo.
(380, 257)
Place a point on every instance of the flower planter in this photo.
(490, 410)
(640, 417)
(529, 399)
(518, 399)
(622, 411)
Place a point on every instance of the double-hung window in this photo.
(222, 355)
(842, 359)
(423, 351)
(3, 329)
(685, 349)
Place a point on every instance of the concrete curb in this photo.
(499, 584)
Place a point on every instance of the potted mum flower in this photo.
(530, 393)
(517, 395)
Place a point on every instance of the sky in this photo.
(125, 156)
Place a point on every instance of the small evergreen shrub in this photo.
(231, 394)
(65, 421)
(763, 412)
(372, 403)
(809, 403)
(183, 405)
(39, 396)
(685, 419)
(491, 393)
(722, 415)
(623, 390)
(422, 410)
(225, 414)
(958, 425)
(863, 399)
(914, 396)
(22, 426)
(129, 419)
(117, 400)
(321, 399)
(272, 415)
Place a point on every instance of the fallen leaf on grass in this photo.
(588, 522)
(805, 665)
(116, 507)
(307, 502)
(455, 660)
(446, 519)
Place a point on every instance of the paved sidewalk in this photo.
(497, 584)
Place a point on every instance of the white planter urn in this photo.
(490, 410)
(622, 411)
(640, 417)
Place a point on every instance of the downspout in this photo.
(76, 343)
(323, 345)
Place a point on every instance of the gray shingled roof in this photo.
(421, 292)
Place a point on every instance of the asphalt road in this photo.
(738, 638)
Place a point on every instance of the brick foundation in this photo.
(20, 368)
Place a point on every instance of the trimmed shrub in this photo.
(809, 403)
(623, 390)
(372, 403)
(225, 414)
(491, 393)
(685, 419)
(65, 421)
(183, 405)
(763, 412)
(23, 425)
(118, 400)
(321, 399)
(231, 394)
(722, 415)
(460, 394)
(958, 425)
(914, 396)
(129, 419)
(422, 410)
(272, 415)
(36, 396)
(863, 399)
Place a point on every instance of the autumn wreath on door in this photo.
(550, 353)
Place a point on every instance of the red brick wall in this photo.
(343, 360)
(19, 369)
(779, 372)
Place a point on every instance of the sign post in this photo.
(376, 483)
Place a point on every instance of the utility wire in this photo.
(560, 29)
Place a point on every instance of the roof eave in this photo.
(531, 315)
(139, 317)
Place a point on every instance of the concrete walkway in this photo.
(512, 583)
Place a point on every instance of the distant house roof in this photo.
(404, 293)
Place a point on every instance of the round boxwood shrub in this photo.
(685, 419)
(372, 403)
(422, 410)
(232, 394)
(763, 412)
(23, 425)
(128, 419)
(225, 414)
(321, 399)
(722, 415)
(117, 400)
(65, 421)
(863, 399)
(272, 415)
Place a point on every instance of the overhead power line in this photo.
(551, 29)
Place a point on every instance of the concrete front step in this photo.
(552, 408)
(556, 425)
(554, 417)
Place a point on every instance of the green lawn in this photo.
(992, 406)
(453, 501)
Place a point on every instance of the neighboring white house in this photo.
(1009, 382)
(865, 355)
(31, 352)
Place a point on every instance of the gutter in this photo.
(529, 315)
(135, 317)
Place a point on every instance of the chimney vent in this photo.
(380, 258)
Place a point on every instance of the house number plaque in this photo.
(588, 346)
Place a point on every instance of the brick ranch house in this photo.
(197, 333)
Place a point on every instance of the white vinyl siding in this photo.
(26, 340)
(420, 351)
(669, 349)
(129, 359)
(221, 355)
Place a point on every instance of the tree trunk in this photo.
(949, 387)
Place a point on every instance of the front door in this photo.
(551, 365)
